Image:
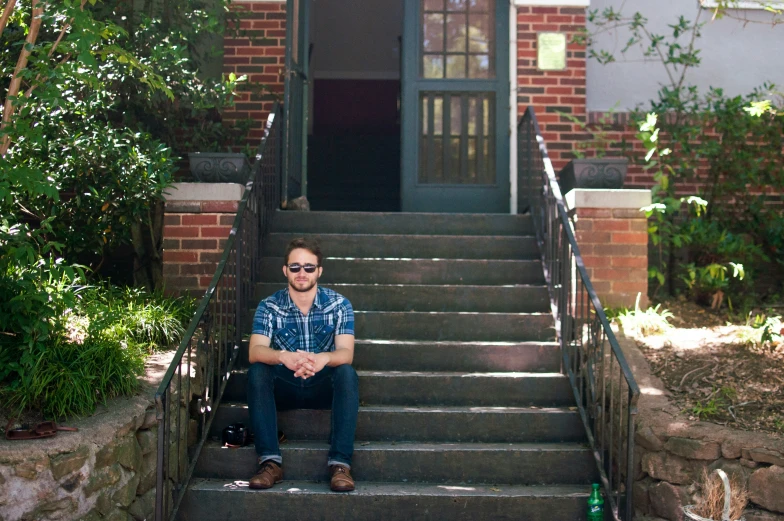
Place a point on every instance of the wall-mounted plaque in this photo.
(551, 51)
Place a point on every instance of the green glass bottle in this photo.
(595, 505)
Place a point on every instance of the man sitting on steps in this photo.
(301, 349)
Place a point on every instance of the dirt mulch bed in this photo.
(713, 375)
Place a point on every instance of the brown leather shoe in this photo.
(341, 479)
(268, 475)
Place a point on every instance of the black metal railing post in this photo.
(598, 377)
(160, 405)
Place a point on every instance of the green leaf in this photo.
(87, 58)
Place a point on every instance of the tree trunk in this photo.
(146, 238)
(156, 240)
(9, 8)
(140, 276)
(16, 80)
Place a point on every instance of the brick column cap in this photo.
(611, 199)
(204, 192)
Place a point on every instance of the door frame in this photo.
(295, 115)
(506, 109)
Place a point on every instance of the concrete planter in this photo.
(606, 173)
(214, 167)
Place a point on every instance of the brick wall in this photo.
(618, 127)
(614, 246)
(550, 92)
(194, 236)
(255, 45)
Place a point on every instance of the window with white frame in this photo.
(742, 4)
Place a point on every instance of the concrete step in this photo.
(465, 326)
(413, 462)
(407, 297)
(412, 246)
(447, 388)
(454, 326)
(402, 223)
(426, 424)
(532, 357)
(416, 271)
(298, 500)
(399, 355)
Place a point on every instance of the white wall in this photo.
(734, 57)
(356, 39)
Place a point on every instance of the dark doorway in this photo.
(354, 131)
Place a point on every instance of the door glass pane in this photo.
(457, 138)
(431, 150)
(433, 66)
(479, 66)
(456, 33)
(480, 33)
(458, 41)
(438, 115)
(456, 115)
(433, 29)
(456, 66)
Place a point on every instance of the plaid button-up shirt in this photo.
(278, 318)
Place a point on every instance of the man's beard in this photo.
(305, 289)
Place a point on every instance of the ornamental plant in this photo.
(91, 95)
(719, 239)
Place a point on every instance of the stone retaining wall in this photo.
(672, 451)
(104, 471)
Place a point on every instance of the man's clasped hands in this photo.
(303, 363)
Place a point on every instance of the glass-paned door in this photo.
(455, 128)
(295, 104)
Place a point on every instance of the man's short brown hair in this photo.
(311, 245)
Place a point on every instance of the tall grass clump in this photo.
(652, 321)
(150, 319)
(93, 350)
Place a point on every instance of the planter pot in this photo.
(209, 167)
(606, 173)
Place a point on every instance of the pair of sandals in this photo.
(42, 430)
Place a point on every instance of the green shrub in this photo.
(720, 262)
(724, 249)
(37, 289)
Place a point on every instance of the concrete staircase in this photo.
(464, 413)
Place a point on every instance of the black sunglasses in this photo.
(309, 268)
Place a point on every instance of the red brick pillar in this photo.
(197, 221)
(612, 234)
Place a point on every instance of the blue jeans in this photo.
(275, 386)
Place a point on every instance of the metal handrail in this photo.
(186, 403)
(603, 385)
